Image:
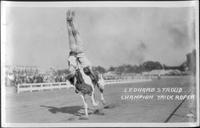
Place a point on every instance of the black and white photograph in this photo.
(100, 64)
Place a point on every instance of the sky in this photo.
(37, 36)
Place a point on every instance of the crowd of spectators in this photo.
(15, 77)
(29, 75)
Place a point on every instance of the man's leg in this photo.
(76, 33)
(72, 42)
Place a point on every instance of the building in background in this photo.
(191, 61)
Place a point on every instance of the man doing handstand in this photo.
(77, 53)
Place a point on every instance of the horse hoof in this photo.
(103, 102)
(96, 104)
(98, 112)
(84, 118)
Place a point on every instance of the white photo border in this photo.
(6, 4)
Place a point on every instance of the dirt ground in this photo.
(64, 106)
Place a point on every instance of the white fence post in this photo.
(18, 88)
(41, 87)
(30, 88)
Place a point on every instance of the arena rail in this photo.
(31, 87)
(123, 81)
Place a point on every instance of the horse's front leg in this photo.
(94, 103)
(85, 106)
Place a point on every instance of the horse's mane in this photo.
(79, 77)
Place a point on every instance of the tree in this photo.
(191, 61)
(111, 69)
(62, 71)
(120, 69)
(99, 69)
(151, 65)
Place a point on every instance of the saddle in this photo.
(80, 84)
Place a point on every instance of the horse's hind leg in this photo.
(101, 89)
(85, 106)
(102, 98)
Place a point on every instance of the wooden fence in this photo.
(31, 87)
(27, 87)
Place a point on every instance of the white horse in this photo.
(84, 85)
